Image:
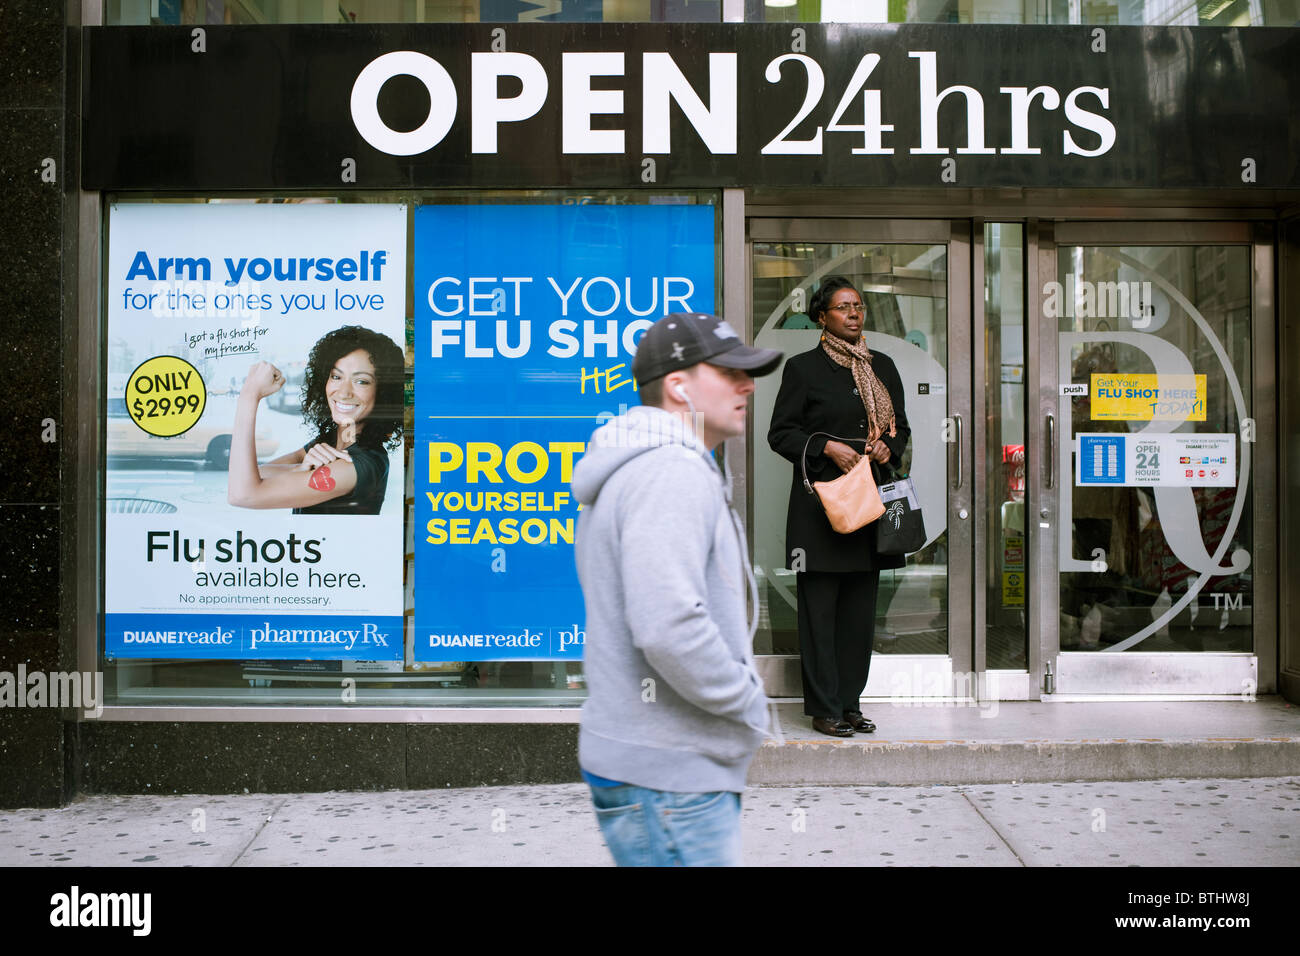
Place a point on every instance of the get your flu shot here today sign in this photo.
(1147, 397)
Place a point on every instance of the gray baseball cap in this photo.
(683, 339)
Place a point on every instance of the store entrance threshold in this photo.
(944, 743)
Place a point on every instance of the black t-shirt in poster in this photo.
(367, 497)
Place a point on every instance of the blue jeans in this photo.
(644, 827)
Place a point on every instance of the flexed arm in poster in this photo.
(352, 397)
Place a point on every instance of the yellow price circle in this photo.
(165, 396)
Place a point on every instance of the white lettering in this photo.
(930, 101)
(663, 81)
(488, 109)
(581, 102)
(1103, 127)
(1022, 98)
(365, 103)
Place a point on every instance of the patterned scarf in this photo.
(874, 395)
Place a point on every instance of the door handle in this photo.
(956, 420)
(1050, 425)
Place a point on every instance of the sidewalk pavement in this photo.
(1187, 822)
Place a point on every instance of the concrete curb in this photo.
(798, 763)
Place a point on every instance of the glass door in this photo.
(1147, 538)
(914, 281)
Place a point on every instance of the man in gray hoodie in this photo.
(675, 709)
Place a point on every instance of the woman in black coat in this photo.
(842, 388)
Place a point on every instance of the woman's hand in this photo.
(878, 451)
(263, 379)
(843, 455)
(321, 454)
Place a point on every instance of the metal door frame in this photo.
(957, 669)
(1089, 675)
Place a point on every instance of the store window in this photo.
(1006, 595)
(1159, 556)
(1218, 13)
(904, 289)
(452, 351)
(279, 12)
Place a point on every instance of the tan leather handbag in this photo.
(850, 501)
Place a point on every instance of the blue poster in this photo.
(1101, 460)
(526, 321)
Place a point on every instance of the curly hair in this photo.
(384, 425)
(821, 299)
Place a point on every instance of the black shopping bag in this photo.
(901, 529)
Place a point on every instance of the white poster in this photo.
(1179, 459)
(254, 393)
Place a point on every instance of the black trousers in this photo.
(837, 625)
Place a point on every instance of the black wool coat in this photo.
(818, 395)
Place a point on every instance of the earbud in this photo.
(680, 390)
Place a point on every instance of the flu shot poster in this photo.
(253, 490)
(526, 322)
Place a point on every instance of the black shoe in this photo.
(862, 725)
(832, 727)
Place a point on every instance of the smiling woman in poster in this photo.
(352, 396)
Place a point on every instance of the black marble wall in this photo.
(303, 758)
(37, 189)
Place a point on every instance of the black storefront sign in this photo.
(690, 105)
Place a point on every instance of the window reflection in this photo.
(1218, 13)
(1006, 560)
(248, 682)
(279, 12)
(905, 299)
(1140, 570)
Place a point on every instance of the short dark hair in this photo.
(384, 426)
(652, 392)
(821, 299)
